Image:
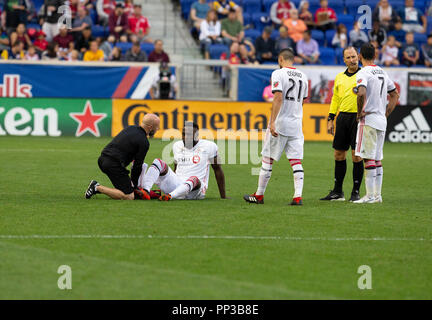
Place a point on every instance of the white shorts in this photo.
(273, 147)
(369, 143)
(169, 182)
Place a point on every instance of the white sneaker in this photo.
(378, 199)
(366, 199)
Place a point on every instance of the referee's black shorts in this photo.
(118, 175)
(346, 131)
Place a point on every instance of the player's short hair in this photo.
(347, 48)
(368, 51)
(287, 54)
(191, 123)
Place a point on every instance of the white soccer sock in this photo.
(264, 176)
(181, 191)
(370, 177)
(150, 177)
(378, 179)
(298, 174)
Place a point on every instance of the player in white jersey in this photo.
(373, 86)
(190, 177)
(285, 134)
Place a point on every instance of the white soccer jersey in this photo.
(195, 161)
(294, 87)
(378, 85)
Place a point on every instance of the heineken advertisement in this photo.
(55, 117)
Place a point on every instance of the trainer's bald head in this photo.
(150, 123)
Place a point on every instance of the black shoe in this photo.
(91, 190)
(334, 196)
(252, 198)
(355, 195)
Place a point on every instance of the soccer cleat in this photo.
(334, 196)
(297, 202)
(253, 198)
(155, 194)
(165, 197)
(141, 194)
(366, 199)
(91, 189)
(378, 199)
(355, 196)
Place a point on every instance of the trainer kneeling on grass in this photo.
(131, 144)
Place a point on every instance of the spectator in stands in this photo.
(84, 39)
(232, 29)
(385, 14)
(50, 18)
(305, 14)
(14, 13)
(412, 18)
(135, 54)
(280, 11)
(4, 40)
(325, 17)
(128, 7)
(357, 37)
(82, 20)
(427, 51)
(234, 54)
(30, 13)
(16, 52)
(265, 46)
(31, 54)
(51, 52)
(198, 13)
(248, 53)
(158, 54)
(378, 34)
(223, 8)
(210, 32)
(105, 45)
(21, 35)
(139, 26)
(118, 21)
(64, 40)
(73, 5)
(377, 60)
(340, 39)
(284, 41)
(41, 44)
(94, 53)
(296, 27)
(73, 56)
(410, 51)
(164, 85)
(268, 95)
(390, 53)
(399, 33)
(308, 49)
(104, 9)
(115, 55)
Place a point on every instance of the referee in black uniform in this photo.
(131, 144)
(344, 101)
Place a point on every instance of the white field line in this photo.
(201, 237)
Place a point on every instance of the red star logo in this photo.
(87, 120)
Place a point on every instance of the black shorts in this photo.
(346, 131)
(118, 175)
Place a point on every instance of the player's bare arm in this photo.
(220, 177)
(276, 106)
(361, 98)
(394, 98)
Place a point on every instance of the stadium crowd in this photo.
(90, 30)
(253, 31)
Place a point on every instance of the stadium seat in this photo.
(246, 18)
(429, 25)
(257, 20)
(252, 34)
(185, 8)
(94, 16)
(216, 50)
(347, 20)
(35, 26)
(339, 56)
(329, 37)
(99, 31)
(38, 4)
(327, 56)
(251, 6)
(267, 5)
(353, 5)
(420, 38)
(275, 34)
(147, 47)
(337, 6)
(124, 46)
(318, 36)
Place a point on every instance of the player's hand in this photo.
(273, 130)
(361, 115)
(330, 127)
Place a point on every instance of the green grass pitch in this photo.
(314, 253)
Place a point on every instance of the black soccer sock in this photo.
(340, 170)
(358, 171)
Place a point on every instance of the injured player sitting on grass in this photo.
(189, 180)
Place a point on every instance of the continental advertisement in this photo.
(55, 117)
(229, 120)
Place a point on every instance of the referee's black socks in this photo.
(358, 170)
(340, 170)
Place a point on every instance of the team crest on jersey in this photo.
(359, 80)
(196, 159)
(276, 84)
